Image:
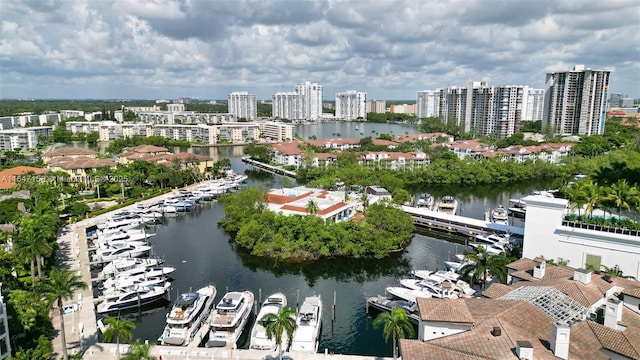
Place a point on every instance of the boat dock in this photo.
(457, 224)
(269, 168)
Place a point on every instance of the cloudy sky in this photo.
(148, 49)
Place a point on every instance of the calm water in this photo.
(204, 254)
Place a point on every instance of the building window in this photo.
(593, 262)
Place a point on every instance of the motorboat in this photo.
(387, 303)
(439, 276)
(493, 239)
(259, 339)
(117, 285)
(410, 295)
(187, 315)
(499, 215)
(229, 318)
(491, 249)
(425, 201)
(123, 264)
(140, 272)
(121, 251)
(121, 220)
(447, 205)
(125, 236)
(440, 290)
(307, 334)
(456, 266)
(132, 298)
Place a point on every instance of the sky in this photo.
(166, 49)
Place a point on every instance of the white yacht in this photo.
(307, 334)
(118, 285)
(500, 215)
(123, 264)
(447, 205)
(140, 272)
(187, 315)
(410, 295)
(259, 338)
(125, 235)
(229, 318)
(132, 298)
(121, 220)
(115, 252)
(440, 290)
(425, 201)
(440, 275)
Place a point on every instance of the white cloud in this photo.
(391, 49)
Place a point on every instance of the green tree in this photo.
(312, 207)
(118, 330)
(139, 351)
(621, 194)
(93, 137)
(278, 324)
(395, 325)
(594, 197)
(33, 244)
(42, 351)
(61, 284)
(482, 265)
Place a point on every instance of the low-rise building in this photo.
(548, 234)
(296, 201)
(23, 138)
(68, 153)
(10, 177)
(394, 160)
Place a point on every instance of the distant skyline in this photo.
(166, 49)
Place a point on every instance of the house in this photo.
(78, 167)
(9, 177)
(130, 154)
(394, 160)
(288, 153)
(333, 205)
(68, 153)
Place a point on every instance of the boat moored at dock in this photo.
(307, 334)
(259, 339)
(187, 315)
(229, 319)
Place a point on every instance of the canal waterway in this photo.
(203, 254)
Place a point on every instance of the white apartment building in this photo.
(174, 108)
(24, 139)
(428, 104)
(243, 105)
(575, 101)
(276, 131)
(533, 104)
(377, 106)
(310, 101)
(493, 109)
(186, 117)
(5, 343)
(351, 105)
(9, 122)
(71, 113)
(284, 105)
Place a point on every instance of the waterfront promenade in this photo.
(81, 327)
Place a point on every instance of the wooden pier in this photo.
(458, 224)
(269, 168)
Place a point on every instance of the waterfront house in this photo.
(588, 246)
(130, 154)
(79, 167)
(287, 153)
(336, 144)
(68, 153)
(333, 205)
(394, 160)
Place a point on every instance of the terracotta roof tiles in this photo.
(444, 310)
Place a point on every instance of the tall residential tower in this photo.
(243, 105)
(575, 101)
(351, 105)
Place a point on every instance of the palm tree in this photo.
(32, 243)
(478, 268)
(312, 207)
(594, 197)
(61, 284)
(615, 271)
(139, 351)
(621, 195)
(120, 330)
(577, 195)
(277, 324)
(365, 200)
(395, 324)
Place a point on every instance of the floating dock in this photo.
(458, 224)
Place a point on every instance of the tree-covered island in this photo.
(383, 230)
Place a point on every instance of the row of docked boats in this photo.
(440, 284)
(228, 318)
(447, 204)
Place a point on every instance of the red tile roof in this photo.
(8, 177)
(80, 162)
(444, 310)
(69, 152)
(143, 149)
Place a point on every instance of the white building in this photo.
(24, 139)
(351, 105)
(533, 104)
(284, 105)
(547, 234)
(174, 108)
(428, 104)
(575, 102)
(5, 343)
(310, 101)
(377, 106)
(243, 105)
(276, 131)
